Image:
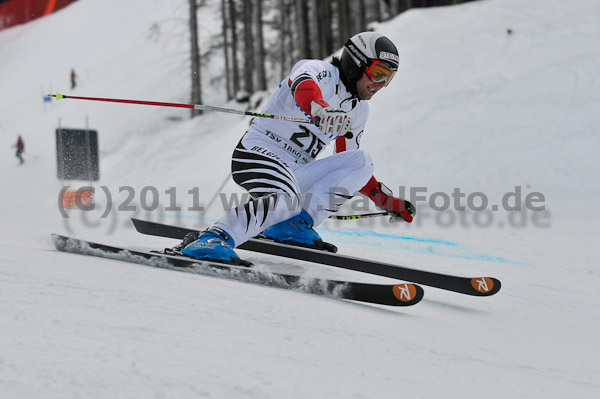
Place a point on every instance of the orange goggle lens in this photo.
(378, 72)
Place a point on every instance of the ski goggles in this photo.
(379, 72)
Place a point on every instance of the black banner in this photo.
(77, 154)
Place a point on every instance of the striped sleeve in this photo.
(303, 77)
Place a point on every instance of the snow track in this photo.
(472, 107)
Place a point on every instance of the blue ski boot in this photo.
(213, 245)
(298, 231)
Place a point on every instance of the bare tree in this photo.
(372, 11)
(248, 47)
(234, 47)
(345, 21)
(324, 28)
(362, 16)
(303, 28)
(283, 35)
(261, 78)
(327, 20)
(228, 81)
(195, 55)
(404, 5)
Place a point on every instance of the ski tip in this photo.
(408, 293)
(486, 286)
(60, 242)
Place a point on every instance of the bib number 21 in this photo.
(313, 146)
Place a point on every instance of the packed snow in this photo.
(496, 97)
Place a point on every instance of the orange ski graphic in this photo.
(405, 292)
(482, 284)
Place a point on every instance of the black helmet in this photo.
(360, 51)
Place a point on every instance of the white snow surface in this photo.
(473, 106)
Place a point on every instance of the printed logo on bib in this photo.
(267, 153)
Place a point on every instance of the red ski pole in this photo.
(60, 96)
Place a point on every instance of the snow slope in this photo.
(474, 107)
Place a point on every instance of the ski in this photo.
(403, 294)
(476, 286)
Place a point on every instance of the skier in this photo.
(73, 79)
(20, 149)
(275, 160)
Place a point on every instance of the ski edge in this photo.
(473, 286)
(402, 294)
